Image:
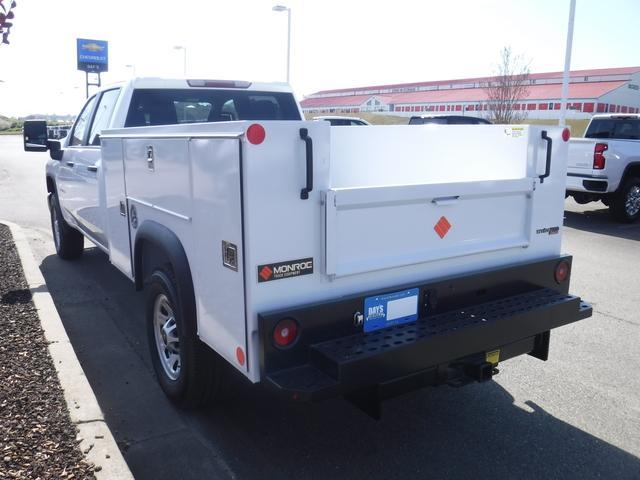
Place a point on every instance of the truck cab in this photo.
(148, 102)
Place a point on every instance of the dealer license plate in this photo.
(390, 309)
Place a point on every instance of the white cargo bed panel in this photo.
(421, 154)
(192, 188)
(385, 227)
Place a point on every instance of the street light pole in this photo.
(567, 65)
(282, 8)
(184, 58)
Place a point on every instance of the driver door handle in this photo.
(92, 168)
(70, 164)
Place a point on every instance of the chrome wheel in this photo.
(166, 336)
(632, 202)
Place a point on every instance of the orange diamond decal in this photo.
(442, 227)
(265, 273)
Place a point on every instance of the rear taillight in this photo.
(285, 333)
(598, 155)
(561, 272)
(566, 134)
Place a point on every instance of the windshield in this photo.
(422, 121)
(173, 106)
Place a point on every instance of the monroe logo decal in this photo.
(290, 268)
(548, 230)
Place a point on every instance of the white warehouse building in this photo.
(605, 90)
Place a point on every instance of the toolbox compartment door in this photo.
(375, 228)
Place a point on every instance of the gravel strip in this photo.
(37, 438)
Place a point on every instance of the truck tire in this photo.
(187, 370)
(625, 204)
(68, 241)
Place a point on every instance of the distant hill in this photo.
(49, 118)
(12, 124)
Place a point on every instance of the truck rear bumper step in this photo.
(364, 360)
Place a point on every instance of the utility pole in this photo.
(567, 65)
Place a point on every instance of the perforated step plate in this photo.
(385, 354)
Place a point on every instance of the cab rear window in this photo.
(617, 128)
(176, 106)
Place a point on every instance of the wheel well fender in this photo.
(154, 245)
(631, 170)
(51, 185)
(51, 189)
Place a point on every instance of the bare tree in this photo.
(508, 88)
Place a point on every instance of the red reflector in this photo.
(240, 355)
(256, 134)
(562, 272)
(566, 134)
(598, 155)
(285, 333)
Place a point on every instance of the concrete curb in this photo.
(96, 440)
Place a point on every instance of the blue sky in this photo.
(334, 43)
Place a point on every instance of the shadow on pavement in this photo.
(600, 221)
(473, 432)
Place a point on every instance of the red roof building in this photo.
(590, 91)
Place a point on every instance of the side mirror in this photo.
(35, 136)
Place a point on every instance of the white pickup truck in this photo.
(605, 165)
(322, 261)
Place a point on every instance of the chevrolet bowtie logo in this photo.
(93, 47)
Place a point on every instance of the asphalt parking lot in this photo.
(574, 416)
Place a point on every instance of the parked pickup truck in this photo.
(322, 261)
(605, 165)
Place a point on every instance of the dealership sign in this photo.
(93, 55)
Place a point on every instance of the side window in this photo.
(192, 111)
(81, 123)
(103, 115)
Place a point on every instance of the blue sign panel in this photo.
(390, 309)
(93, 55)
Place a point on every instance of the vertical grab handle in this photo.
(304, 136)
(547, 169)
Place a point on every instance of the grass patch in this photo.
(577, 126)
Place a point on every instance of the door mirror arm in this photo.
(55, 149)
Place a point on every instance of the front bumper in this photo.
(436, 348)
